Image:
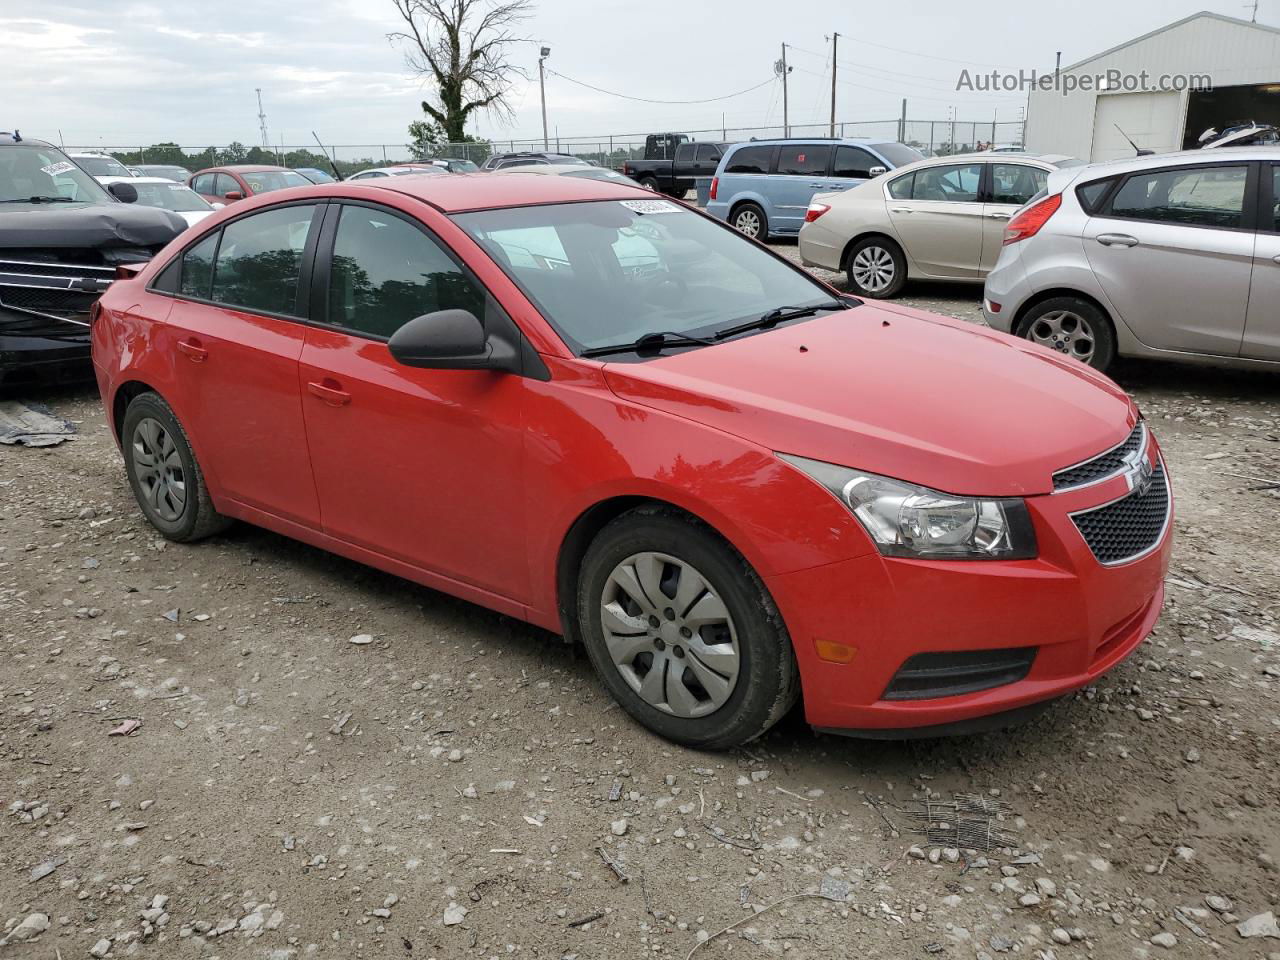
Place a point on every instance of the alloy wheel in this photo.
(1064, 331)
(748, 222)
(157, 464)
(670, 635)
(873, 269)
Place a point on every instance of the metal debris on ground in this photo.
(964, 821)
(32, 425)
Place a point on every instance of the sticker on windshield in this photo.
(62, 166)
(177, 186)
(650, 206)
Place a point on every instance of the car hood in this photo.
(87, 225)
(927, 399)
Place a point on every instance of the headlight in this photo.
(906, 520)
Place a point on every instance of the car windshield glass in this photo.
(570, 160)
(612, 271)
(170, 196)
(463, 166)
(103, 166)
(264, 181)
(34, 171)
(599, 173)
(316, 176)
(169, 173)
(898, 154)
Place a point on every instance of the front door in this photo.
(852, 166)
(1010, 186)
(236, 341)
(1262, 326)
(940, 222)
(422, 466)
(1174, 253)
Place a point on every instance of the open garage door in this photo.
(1152, 120)
(1224, 106)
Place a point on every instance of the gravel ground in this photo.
(460, 786)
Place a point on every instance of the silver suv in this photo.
(1174, 256)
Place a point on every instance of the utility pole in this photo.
(786, 115)
(262, 120)
(835, 37)
(542, 88)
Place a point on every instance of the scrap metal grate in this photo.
(968, 820)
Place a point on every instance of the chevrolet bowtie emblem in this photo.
(1138, 471)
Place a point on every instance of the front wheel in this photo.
(682, 632)
(876, 268)
(1071, 325)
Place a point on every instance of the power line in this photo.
(903, 91)
(910, 53)
(612, 93)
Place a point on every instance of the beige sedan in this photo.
(936, 219)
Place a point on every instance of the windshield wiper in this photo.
(39, 200)
(779, 315)
(650, 341)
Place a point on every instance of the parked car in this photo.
(1174, 256)
(937, 219)
(62, 236)
(500, 161)
(316, 175)
(167, 195)
(678, 174)
(456, 165)
(396, 171)
(717, 473)
(762, 188)
(231, 183)
(565, 170)
(167, 170)
(100, 164)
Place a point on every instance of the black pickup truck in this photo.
(676, 176)
(62, 235)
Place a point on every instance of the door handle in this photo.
(1117, 240)
(900, 210)
(192, 349)
(999, 216)
(329, 392)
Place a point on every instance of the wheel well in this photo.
(1044, 295)
(848, 249)
(739, 204)
(124, 396)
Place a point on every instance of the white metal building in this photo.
(1242, 58)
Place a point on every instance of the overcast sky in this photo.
(117, 73)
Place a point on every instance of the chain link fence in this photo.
(930, 137)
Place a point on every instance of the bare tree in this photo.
(461, 47)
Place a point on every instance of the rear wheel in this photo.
(682, 632)
(649, 183)
(750, 220)
(1074, 326)
(164, 474)
(876, 268)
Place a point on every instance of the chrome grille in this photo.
(1104, 465)
(1127, 528)
(38, 296)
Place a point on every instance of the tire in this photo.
(755, 680)
(876, 268)
(1074, 326)
(649, 183)
(174, 499)
(749, 220)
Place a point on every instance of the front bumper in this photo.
(37, 360)
(1083, 618)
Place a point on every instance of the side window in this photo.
(203, 184)
(685, 152)
(750, 160)
(1016, 183)
(1275, 198)
(260, 259)
(707, 153)
(1091, 194)
(804, 159)
(197, 267)
(956, 183)
(1196, 196)
(855, 163)
(900, 189)
(224, 184)
(386, 272)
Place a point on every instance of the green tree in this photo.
(461, 47)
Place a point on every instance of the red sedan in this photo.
(614, 417)
(239, 180)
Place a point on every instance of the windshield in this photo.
(103, 166)
(169, 173)
(612, 271)
(899, 154)
(37, 171)
(170, 196)
(462, 166)
(264, 181)
(567, 160)
(314, 175)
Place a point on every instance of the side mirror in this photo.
(876, 171)
(124, 192)
(233, 195)
(452, 340)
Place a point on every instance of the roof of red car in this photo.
(483, 191)
(243, 168)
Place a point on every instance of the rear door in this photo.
(941, 222)
(1173, 249)
(1009, 186)
(1262, 324)
(801, 172)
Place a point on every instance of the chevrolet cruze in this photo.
(614, 417)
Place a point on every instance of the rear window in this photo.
(898, 154)
(750, 160)
(804, 159)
